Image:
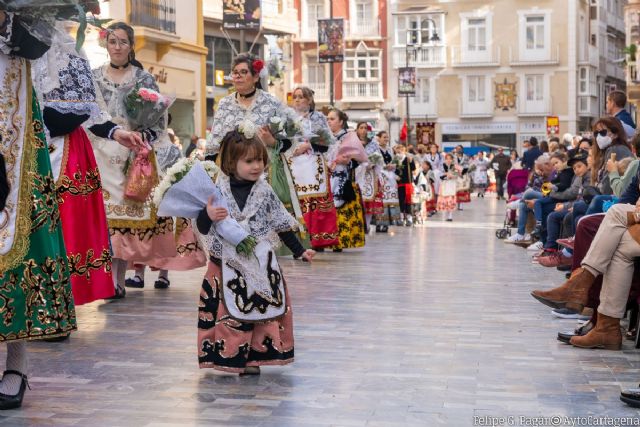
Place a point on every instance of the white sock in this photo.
(566, 253)
(16, 361)
(140, 273)
(450, 215)
(119, 271)
(163, 274)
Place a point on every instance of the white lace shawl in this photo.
(263, 216)
(231, 113)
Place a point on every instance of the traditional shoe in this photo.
(120, 293)
(605, 335)
(337, 250)
(565, 337)
(58, 338)
(573, 293)
(15, 401)
(631, 397)
(134, 282)
(162, 283)
(251, 370)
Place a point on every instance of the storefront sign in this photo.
(241, 14)
(533, 127)
(479, 128)
(330, 40)
(407, 81)
(553, 125)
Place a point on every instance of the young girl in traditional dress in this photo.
(447, 201)
(431, 199)
(242, 325)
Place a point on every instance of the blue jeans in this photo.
(554, 225)
(579, 210)
(596, 204)
(541, 209)
(523, 210)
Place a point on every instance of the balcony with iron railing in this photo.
(475, 109)
(363, 28)
(525, 57)
(461, 56)
(425, 56)
(155, 14)
(320, 91)
(362, 91)
(588, 54)
(542, 107)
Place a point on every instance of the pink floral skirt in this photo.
(229, 345)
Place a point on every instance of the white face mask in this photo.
(603, 141)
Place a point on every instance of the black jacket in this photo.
(530, 156)
(4, 184)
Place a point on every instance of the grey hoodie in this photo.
(575, 190)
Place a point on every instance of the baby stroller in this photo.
(516, 184)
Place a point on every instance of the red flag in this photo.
(403, 132)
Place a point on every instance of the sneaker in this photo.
(567, 313)
(535, 247)
(567, 243)
(556, 259)
(535, 259)
(516, 238)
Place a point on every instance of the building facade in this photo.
(491, 72)
(360, 82)
(170, 45)
(632, 23)
(279, 24)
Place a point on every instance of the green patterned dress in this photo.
(35, 292)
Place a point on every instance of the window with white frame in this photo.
(583, 81)
(476, 91)
(314, 11)
(362, 65)
(534, 87)
(364, 17)
(476, 34)
(423, 91)
(535, 35)
(315, 77)
(535, 31)
(418, 29)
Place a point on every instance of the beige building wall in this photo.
(569, 33)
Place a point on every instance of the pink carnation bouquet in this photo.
(145, 106)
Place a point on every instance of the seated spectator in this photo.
(611, 254)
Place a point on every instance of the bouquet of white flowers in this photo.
(186, 190)
(376, 159)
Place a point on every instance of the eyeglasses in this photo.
(602, 132)
(238, 73)
(118, 42)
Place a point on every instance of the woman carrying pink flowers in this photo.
(137, 234)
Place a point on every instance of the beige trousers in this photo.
(612, 253)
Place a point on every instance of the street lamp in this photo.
(434, 38)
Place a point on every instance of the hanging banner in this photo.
(241, 14)
(553, 125)
(407, 81)
(426, 133)
(331, 40)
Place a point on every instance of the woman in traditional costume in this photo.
(479, 176)
(346, 194)
(461, 161)
(251, 103)
(391, 202)
(63, 79)
(246, 323)
(447, 200)
(35, 293)
(369, 175)
(137, 233)
(310, 173)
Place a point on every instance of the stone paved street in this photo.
(427, 326)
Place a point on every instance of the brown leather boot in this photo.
(574, 293)
(605, 335)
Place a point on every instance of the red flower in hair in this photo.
(257, 66)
